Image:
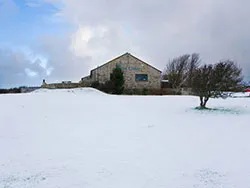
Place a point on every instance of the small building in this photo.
(137, 73)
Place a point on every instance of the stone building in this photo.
(137, 73)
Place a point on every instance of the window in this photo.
(141, 77)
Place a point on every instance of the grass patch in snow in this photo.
(11, 181)
(208, 179)
(221, 110)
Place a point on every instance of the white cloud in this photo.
(17, 69)
(100, 43)
(61, 63)
(159, 30)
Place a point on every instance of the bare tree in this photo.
(179, 71)
(193, 64)
(176, 71)
(213, 80)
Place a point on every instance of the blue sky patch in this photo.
(32, 19)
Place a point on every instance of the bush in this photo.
(117, 80)
(96, 85)
(145, 91)
(107, 87)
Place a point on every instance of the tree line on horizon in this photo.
(11, 90)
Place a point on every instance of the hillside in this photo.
(85, 138)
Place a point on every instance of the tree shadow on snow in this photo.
(222, 110)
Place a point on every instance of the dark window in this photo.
(141, 77)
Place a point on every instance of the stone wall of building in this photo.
(61, 86)
(66, 84)
(130, 66)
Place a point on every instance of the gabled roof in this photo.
(145, 62)
(129, 55)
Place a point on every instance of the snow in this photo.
(241, 94)
(85, 91)
(85, 138)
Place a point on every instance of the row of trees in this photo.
(12, 90)
(206, 81)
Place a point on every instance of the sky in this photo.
(61, 40)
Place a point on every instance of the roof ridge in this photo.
(127, 53)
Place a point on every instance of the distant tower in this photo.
(44, 83)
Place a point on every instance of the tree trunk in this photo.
(203, 101)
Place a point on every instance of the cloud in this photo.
(62, 63)
(16, 69)
(51, 58)
(97, 42)
(164, 29)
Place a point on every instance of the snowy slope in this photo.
(84, 138)
(84, 91)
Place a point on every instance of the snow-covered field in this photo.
(86, 139)
(240, 94)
